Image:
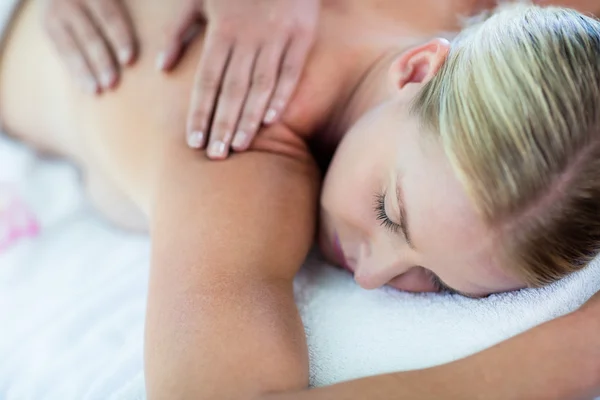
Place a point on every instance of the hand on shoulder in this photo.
(253, 57)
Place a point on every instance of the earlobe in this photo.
(419, 64)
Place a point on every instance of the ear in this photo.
(419, 64)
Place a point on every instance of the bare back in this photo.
(118, 134)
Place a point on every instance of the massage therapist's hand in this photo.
(94, 38)
(254, 53)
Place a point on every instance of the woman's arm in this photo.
(555, 361)
(227, 239)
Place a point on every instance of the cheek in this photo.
(414, 280)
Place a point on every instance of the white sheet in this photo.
(72, 305)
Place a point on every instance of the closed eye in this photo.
(382, 216)
(439, 285)
(442, 287)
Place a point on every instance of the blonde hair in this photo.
(517, 108)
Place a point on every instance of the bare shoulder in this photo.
(282, 140)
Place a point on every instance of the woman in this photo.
(505, 183)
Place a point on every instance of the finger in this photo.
(233, 94)
(114, 22)
(206, 86)
(289, 75)
(263, 84)
(175, 40)
(75, 60)
(95, 49)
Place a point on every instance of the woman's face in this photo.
(393, 211)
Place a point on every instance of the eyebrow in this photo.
(403, 216)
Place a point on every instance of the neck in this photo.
(371, 90)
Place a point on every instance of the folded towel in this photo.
(354, 333)
(72, 313)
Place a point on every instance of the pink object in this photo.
(17, 221)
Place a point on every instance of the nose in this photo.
(374, 269)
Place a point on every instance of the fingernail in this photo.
(107, 79)
(160, 61)
(217, 149)
(194, 139)
(125, 55)
(240, 139)
(270, 116)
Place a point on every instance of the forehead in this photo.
(450, 236)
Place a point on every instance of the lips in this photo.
(339, 254)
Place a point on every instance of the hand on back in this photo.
(95, 39)
(253, 57)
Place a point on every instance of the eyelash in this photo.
(437, 283)
(381, 215)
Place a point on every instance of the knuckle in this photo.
(89, 37)
(289, 70)
(209, 81)
(97, 48)
(234, 89)
(67, 7)
(111, 15)
(263, 81)
(108, 15)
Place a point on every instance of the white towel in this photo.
(354, 333)
(72, 305)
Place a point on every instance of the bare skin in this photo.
(222, 267)
(207, 271)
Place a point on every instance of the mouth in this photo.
(339, 254)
